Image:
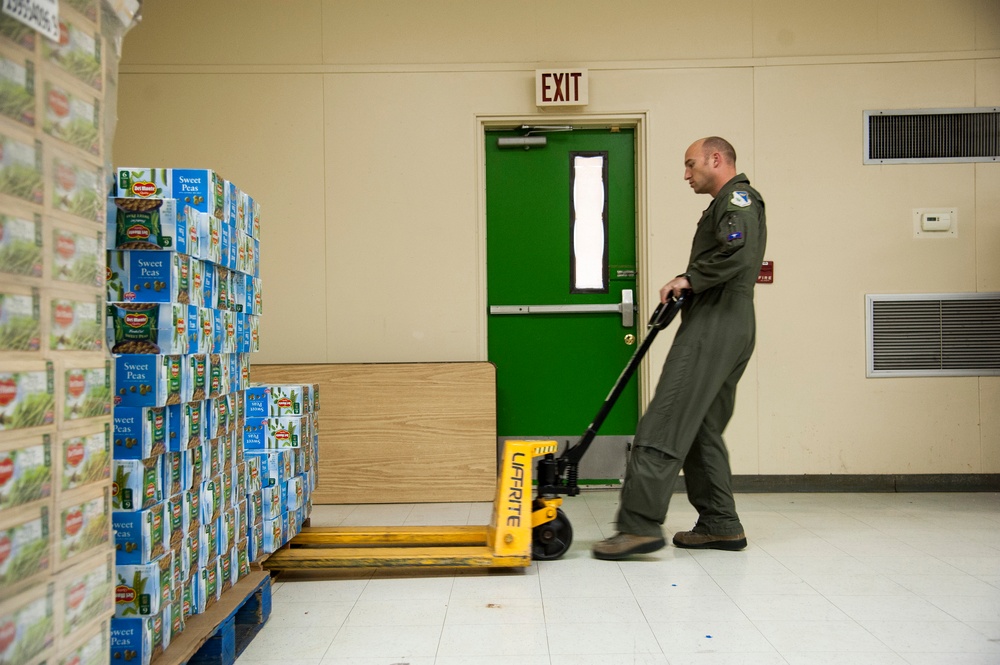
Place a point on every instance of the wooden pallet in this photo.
(219, 636)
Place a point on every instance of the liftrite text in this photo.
(515, 496)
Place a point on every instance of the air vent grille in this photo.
(934, 335)
(932, 136)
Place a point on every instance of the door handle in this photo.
(626, 307)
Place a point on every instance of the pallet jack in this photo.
(520, 530)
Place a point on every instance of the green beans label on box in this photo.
(72, 118)
(87, 392)
(85, 526)
(21, 169)
(20, 324)
(26, 400)
(75, 325)
(77, 51)
(17, 90)
(21, 245)
(88, 594)
(86, 459)
(77, 188)
(78, 258)
(25, 549)
(29, 630)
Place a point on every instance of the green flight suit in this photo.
(694, 399)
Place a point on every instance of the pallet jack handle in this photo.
(559, 475)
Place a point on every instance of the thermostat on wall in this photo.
(935, 222)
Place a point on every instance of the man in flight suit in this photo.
(694, 399)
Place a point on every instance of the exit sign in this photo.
(561, 87)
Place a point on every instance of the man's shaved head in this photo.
(720, 145)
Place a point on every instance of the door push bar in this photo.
(626, 307)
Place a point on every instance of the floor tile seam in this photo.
(752, 622)
(910, 576)
(822, 621)
(642, 610)
(347, 616)
(952, 650)
(995, 585)
(849, 619)
(444, 622)
(593, 517)
(605, 623)
(750, 543)
(930, 599)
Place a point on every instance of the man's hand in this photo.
(675, 286)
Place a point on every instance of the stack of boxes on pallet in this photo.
(56, 552)
(184, 302)
(193, 489)
(281, 433)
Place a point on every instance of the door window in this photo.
(589, 220)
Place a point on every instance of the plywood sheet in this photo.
(401, 433)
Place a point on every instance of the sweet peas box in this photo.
(145, 276)
(136, 640)
(150, 380)
(274, 433)
(139, 534)
(202, 189)
(186, 425)
(139, 432)
(275, 465)
(278, 400)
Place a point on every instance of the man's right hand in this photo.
(676, 286)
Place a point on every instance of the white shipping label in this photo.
(41, 15)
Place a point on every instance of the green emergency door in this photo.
(561, 281)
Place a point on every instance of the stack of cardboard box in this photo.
(184, 301)
(56, 550)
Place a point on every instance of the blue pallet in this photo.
(235, 632)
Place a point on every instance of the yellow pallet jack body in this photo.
(506, 542)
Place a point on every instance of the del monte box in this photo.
(202, 189)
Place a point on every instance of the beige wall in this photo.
(357, 123)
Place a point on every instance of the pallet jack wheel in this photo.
(551, 540)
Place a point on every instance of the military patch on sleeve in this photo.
(734, 236)
(740, 199)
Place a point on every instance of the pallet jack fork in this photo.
(521, 529)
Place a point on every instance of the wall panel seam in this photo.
(444, 68)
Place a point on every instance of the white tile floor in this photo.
(827, 579)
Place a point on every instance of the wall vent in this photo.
(954, 334)
(932, 136)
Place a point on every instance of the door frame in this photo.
(636, 121)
